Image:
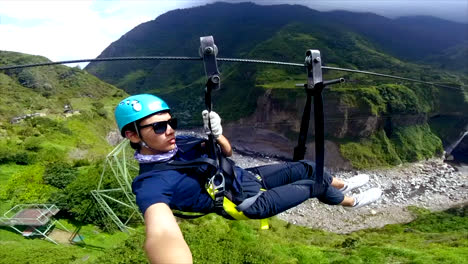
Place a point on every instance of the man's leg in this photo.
(277, 200)
(286, 188)
(280, 174)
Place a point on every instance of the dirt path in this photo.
(60, 236)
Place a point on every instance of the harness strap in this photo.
(222, 204)
(176, 164)
(248, 202)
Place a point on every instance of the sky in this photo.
(82, 29)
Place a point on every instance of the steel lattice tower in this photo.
(121, 163)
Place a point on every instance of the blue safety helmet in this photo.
(137, 107)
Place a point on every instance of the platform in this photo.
(32, 219)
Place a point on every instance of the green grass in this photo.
(7, 170)
(17, 249)
(434, 237)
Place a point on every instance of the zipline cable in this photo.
(389, 76)
(262, 62)
(11, 67)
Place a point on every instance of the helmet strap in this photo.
(142, 142)
(137, 129)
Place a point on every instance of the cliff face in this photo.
(275, 126)
(341, 119)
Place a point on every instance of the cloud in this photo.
(66, 30)
(455, 10)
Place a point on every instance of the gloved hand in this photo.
(215, 121)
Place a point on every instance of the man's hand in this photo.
(215, 122)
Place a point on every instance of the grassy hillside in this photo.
(437, 237)
(54, 123)
(53, 112)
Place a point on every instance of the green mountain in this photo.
(238, 28)
(390, 116)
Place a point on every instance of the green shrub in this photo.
(52, 153)
(407, 144)
(76, 197)
(6, 154)
(27, 186)
(376, 151)
(414, 143)
(42, 252)
(399, 99)
(24, 157)
(98, 107)
(81, 163)
(47, 125)
(33, 143)
(59, 174)
(128, 251)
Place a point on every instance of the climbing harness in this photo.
(219, 186)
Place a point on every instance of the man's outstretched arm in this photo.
(164, 240)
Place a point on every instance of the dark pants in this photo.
(289, 184)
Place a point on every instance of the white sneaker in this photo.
(354, 182)
(367, 197)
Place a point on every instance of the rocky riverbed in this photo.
(431, 184)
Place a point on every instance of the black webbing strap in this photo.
(300, 149)
(314, 87)
(319, 133)
(176, 164)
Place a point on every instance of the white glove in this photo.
(215, 121)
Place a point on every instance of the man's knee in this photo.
(256, 212)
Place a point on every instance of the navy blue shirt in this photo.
(181, 189)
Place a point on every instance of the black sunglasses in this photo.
(161, 127)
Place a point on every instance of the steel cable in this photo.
(10, 67)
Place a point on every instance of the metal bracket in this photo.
(313, 63)
(208, 51)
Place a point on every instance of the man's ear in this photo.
(132, 136)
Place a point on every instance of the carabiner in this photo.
(217, 187)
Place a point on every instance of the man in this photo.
(271, 189)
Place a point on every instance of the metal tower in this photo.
(123, 167)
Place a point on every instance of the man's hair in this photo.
(131, 127)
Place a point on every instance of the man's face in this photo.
(158, 143)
